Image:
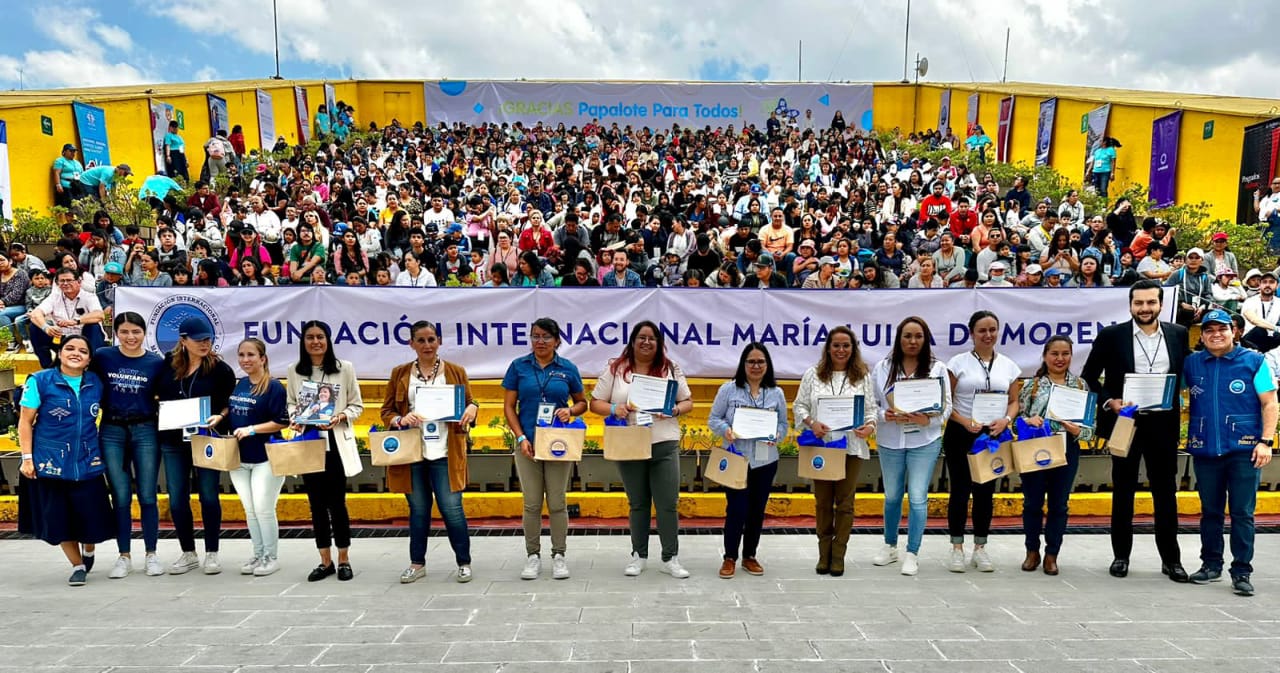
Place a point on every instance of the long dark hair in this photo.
(626, 363)
(924, 361)
(854, 371)
(740, 376)
(68, 339)
(329, 365)
(1057, 338)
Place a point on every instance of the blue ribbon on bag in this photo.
(1026, 432)
(1129, 411)
(557, 423)
(615, 422)
(807, 438)
(985, 442)
(308, 434)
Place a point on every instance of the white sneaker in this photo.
(122, 568)
(636, 566)
(211, 565)
(981, 561)
(464, 574)
(154, 569)
(957, 561)
(559, 567)
(910, 564)
(674, 569)
(250, 566)
(185, 563)
(887, 554)
(266, 566)
(532, 567)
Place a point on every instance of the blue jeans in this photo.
(131, 452)
(42, 343)
(177, 481)
(1229, 480)
(909, 471)
(9, 314)
(431, 477)
(1055, 483)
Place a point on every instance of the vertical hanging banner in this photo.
(161, 115)
(6, 188)
(266, 121)
(944, 111)
(330, 100)
(91, 130)
(1004, 129)
(1044, 131)
(300, 103)
(219, 120)
(1257, 165)
(971, 121)
(1097, 130)
(1164, 158)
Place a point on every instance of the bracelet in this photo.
(26, 456)
(613, 409)
(521, 439)
(253, 430)
(396, 421)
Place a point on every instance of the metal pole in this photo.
(1004, 76)
(800, 61)
(275, 24)
(906, 42)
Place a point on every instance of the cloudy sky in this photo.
(1223, 47)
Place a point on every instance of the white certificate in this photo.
(840, 413)
(990, 407)
(438, 403)
(912, 396)
(179, 414)
(652, 394)
(1071, 404)
(752, 423)
(1150, 391)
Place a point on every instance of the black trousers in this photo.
(957, 441)
(327, 495)
(1155, 441)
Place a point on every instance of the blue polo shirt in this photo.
(158, 186)
(535, 384)
(68, 170)
(99, 175)
(129, 384)
(175, 142)
(247, 409)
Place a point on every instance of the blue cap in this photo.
(195, 328)
(1216, 315)
(453, 228)
(113, 267)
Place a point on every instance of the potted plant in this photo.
(489, 465)
(38, 232)
(788, 477)
(692, 441)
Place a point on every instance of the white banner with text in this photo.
(484, 329)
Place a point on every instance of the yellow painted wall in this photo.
(892, 105)
(31, 153)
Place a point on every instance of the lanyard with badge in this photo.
(1154, 353)
(546, 410)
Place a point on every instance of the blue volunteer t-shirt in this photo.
(175, 142)
(68, 170)
(128, 383)
(99, 175)
(535, 384)
(250, 409)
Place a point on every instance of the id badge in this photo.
(431, 431)
(644, 418)
(909, 428)
(188, 433)
(761, 452)
(546, 413)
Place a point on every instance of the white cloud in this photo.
(90, 53)
(206, 74)
(114, 36)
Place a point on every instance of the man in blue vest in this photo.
(1233, 414)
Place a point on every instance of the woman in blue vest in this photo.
(63, 499)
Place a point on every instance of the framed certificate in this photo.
(439, 403)
(752, 423)
(912, 396)
(840, 413)
(1073, 405)
(652, 394)
(1150, 391)
(990, 407)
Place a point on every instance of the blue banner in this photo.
(1044, 131)
(1164, 158)
(6, 191)
(218, 117)
(91, 127)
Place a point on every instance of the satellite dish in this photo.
(922, 67)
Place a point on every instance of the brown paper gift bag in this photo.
(726, 468)
(561, 444)
(821, 463)
(215, 453)
(629, 442)
(987, 466)
(297, 457)
(396, 447)
(1041, 453)
(1121, 436)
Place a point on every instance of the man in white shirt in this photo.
(1261, 315)
(67, 310)
(438, 217)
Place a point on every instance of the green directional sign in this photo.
(46, 125)
(1208, 129)
(182, 119)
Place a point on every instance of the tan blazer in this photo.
(349, 402)
(396, 403)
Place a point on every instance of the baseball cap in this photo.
(807, 242)
(68, 146)
(247, 229)
(1271, 273)
(996, 266)
(1034, 269)
(195, 328)
(125, 168)
(1220, 236)
(755, 189)
(113, 267)
(453, 228)
(1216, 315)
(1226, 271)
(1195, 251)
(765, 259)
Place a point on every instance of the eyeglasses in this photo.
(542, 338)
(646, 339)
(757, 363)
(68, 281)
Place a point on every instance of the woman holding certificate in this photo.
(542, 388)
(637, 387)
(750, 412)
(981, 381)
(193, 371)
(317, 369)
(1033, 396)
(443, 472)
(914, 397)
(838, 381)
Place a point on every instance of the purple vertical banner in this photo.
(1044, 131)
(1164, 158)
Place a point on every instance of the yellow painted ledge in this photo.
(379, 507)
